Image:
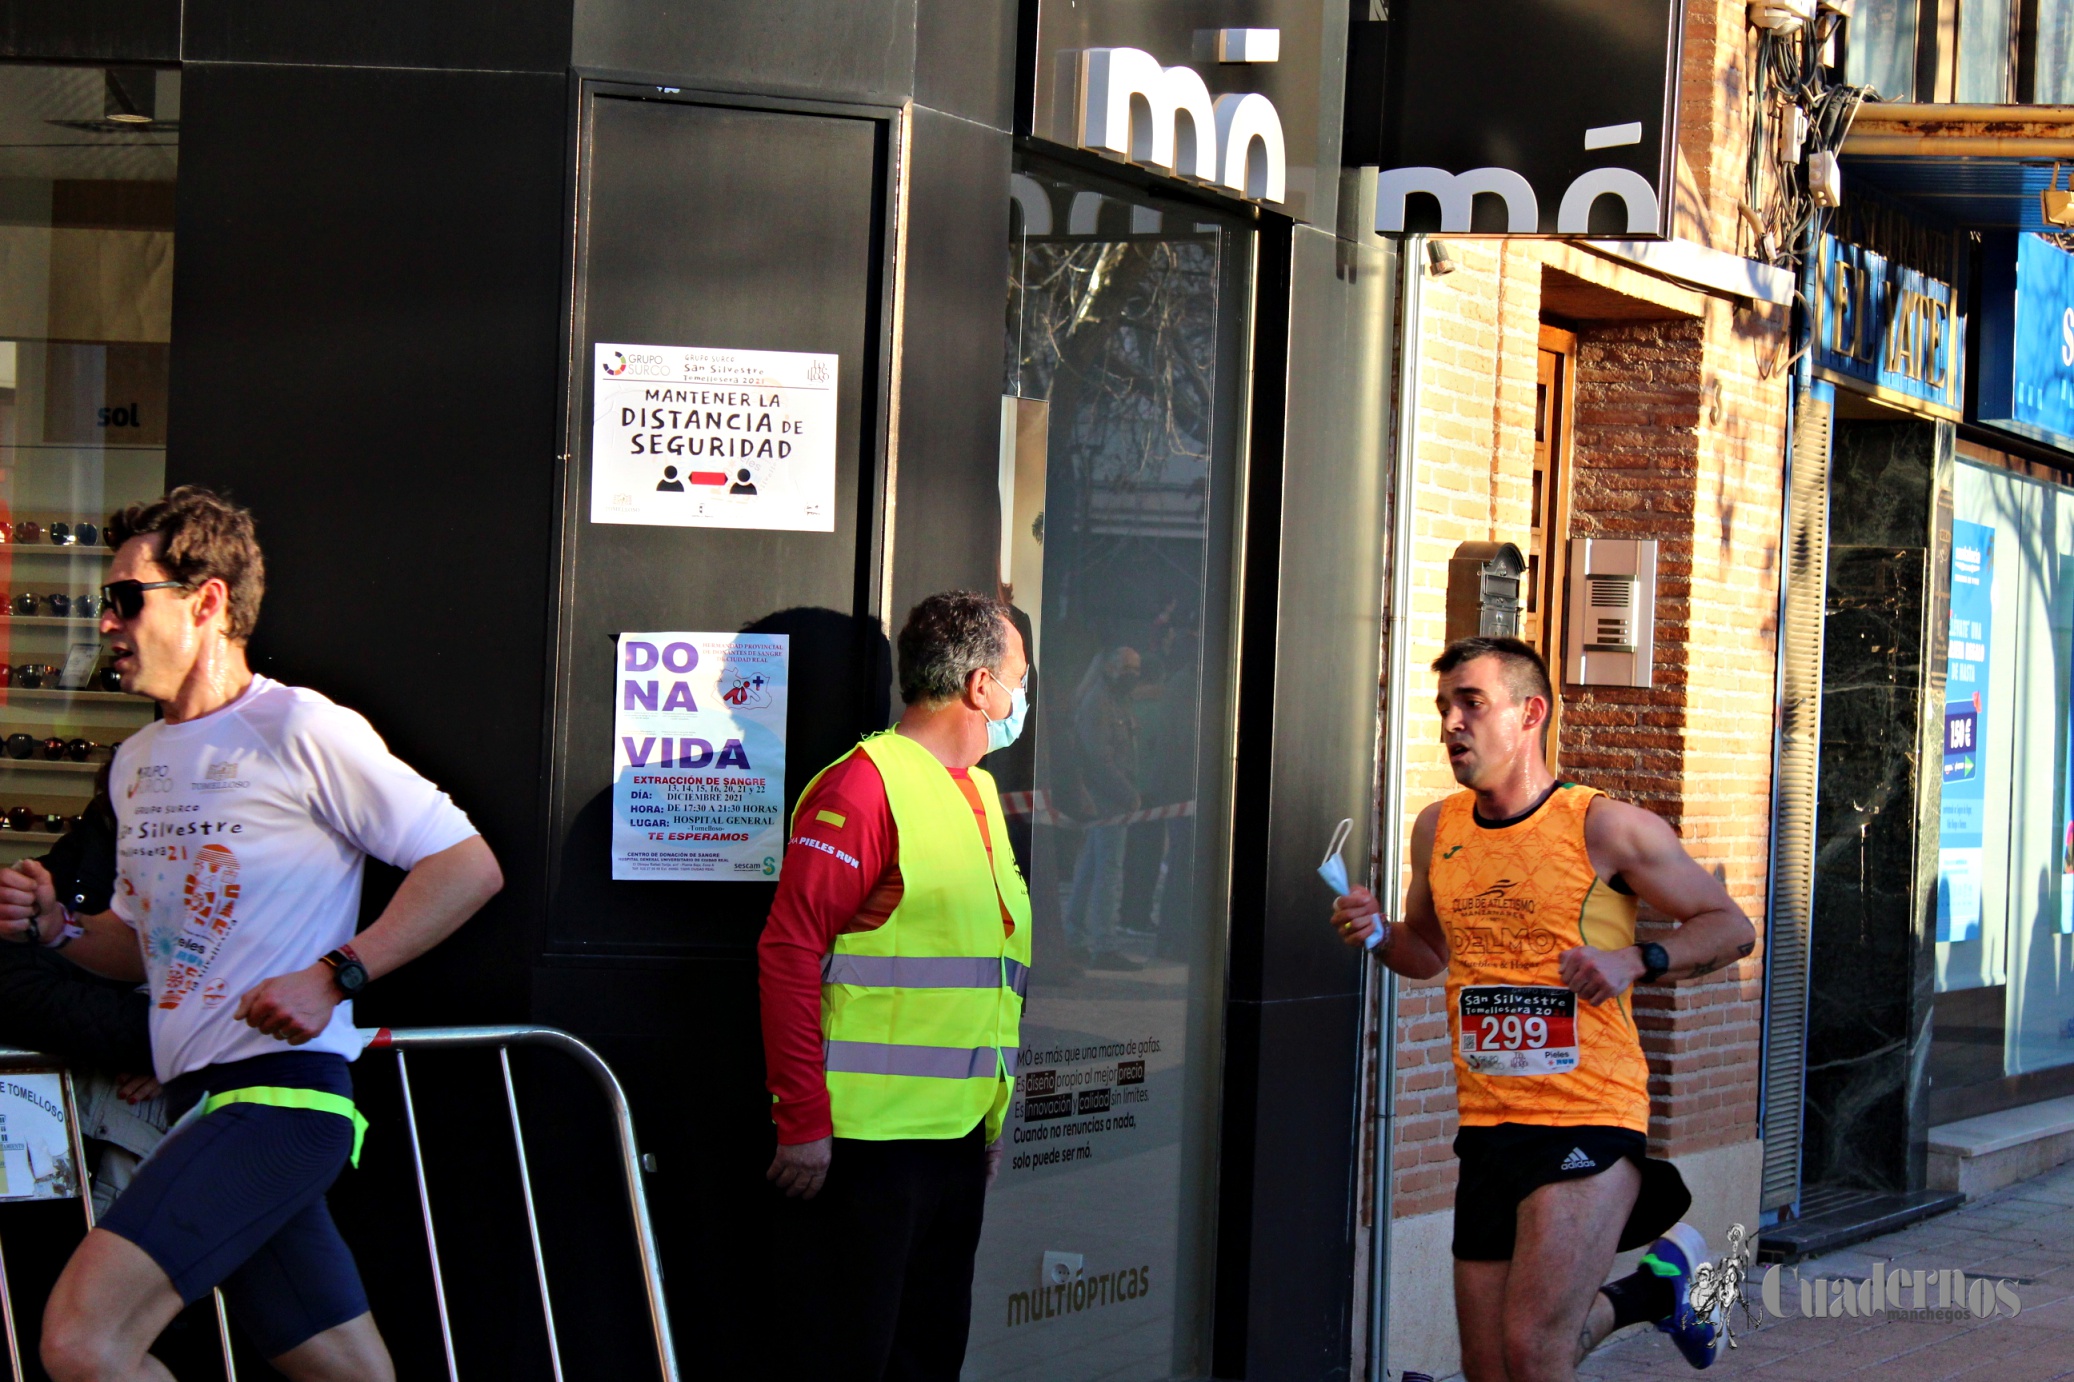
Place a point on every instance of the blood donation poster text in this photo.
(698, 756)
(1964, 802)
(693, 437)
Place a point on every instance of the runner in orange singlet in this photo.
(1524, 891)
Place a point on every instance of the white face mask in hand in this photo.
(1333, 870)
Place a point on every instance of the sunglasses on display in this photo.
(27, 818)
(58, 534)
(22, 746)
(126, 598)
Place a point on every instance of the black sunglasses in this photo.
(126, 598)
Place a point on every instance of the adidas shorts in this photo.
(1502, 1165)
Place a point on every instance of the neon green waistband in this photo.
(282, 1096)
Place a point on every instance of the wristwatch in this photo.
(1654, 961)
(347, 971)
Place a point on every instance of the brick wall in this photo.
(1672, 445)
(1679, 437)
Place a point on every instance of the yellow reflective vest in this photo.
(921, 1018)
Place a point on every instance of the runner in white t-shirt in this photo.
(244, 816)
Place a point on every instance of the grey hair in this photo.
(947, 637)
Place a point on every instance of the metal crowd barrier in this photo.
(37, 1063)
(403, 1041)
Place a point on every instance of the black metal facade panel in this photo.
(504, 35)
(832, 50)
(947, 498)
(91, 30)
(1325, 622)
(965, 53)
(1329, 642)
(1285, 1234)
(1284, 1298)
(697, 1090)
(751, 229)
(368, 312)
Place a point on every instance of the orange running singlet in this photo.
(1510, 901)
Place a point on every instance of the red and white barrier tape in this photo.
(1037, 806)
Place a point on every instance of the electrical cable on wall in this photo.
(1799, 117)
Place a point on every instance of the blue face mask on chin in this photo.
(1006, 730)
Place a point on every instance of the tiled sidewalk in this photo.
(2024, 1233)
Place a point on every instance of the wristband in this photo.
(68, 933)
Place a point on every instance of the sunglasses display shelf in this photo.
(39, 645)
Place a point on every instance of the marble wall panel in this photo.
(1869, 962)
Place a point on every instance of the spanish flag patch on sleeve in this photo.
(833, 818)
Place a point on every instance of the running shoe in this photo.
(1677, 1255)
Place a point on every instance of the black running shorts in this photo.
(1502, 1165)
(237, 1199)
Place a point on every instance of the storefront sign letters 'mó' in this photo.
(1239, 97)
(1457, 193)
(1165, 118)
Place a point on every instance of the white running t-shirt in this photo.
(239, 843)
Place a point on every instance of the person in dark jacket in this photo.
(48, 1004)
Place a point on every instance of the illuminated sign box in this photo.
(1525, 117)
(1886, 330)
(2027, 349)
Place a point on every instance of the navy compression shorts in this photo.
(236, 1199)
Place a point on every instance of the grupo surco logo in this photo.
(617, 365)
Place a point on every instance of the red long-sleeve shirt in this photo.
(841, 874)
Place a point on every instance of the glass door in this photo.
(1122, 428)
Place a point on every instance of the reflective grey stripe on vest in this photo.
(924, 972)
(934, 1062)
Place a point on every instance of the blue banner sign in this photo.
(2027, 349)
(1960, 839)
(1886, 330)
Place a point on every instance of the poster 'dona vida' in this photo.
(697, 437)
(698, 756)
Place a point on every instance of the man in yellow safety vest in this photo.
(892, 971)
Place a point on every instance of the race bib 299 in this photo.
(1510, 1030)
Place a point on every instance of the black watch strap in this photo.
(1654, 961)
(346, 971)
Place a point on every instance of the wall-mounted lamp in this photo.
(2056, 204)
(1438, 261)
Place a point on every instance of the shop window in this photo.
(1121, 429)
(87, 162)
(2052, 64)
(2005, 919)
(1987, 67)
(1991, 52)
(1880, 48)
